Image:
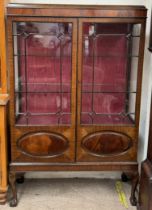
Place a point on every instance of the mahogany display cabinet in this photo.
(75, 88)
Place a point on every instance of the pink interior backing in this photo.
(45, 75)
(104, 74)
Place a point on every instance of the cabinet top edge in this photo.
(69, 6)
(85, 11)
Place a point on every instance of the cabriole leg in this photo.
(135, 181)
(12, 181)
(134, 178)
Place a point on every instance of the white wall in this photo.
(147, 74)
(146, 91)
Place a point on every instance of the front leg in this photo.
(134, 178)
(135, 182)
(12, 181)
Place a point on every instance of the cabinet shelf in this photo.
(107, 119)
(107, 56)
(43, 92)
(110, 114)
(100, 92)
(42, 114)
(85, 56)
(44, 83)
(110, 34)
(43, 87)
(127, 92)
(42, 119)
(44, 55)
(43, 34)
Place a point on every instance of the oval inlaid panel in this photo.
(43, 145)
(106, 143)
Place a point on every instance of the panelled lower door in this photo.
(43, 88)
(108, 93)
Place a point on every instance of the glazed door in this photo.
(43, 95)
(107, 89)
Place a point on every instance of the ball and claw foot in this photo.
(133, 201)
(12, 180)
(13, 202)
(124, 177)
(20, 180)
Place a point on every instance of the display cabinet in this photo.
(75, 88)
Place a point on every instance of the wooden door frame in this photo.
(130, 130)
(19, 131)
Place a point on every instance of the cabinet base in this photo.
(79, 166)
(130, 168)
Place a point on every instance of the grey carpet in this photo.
(69, 194)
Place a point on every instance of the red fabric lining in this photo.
(42, 74)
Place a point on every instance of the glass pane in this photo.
(43, 71)
(109, 73)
